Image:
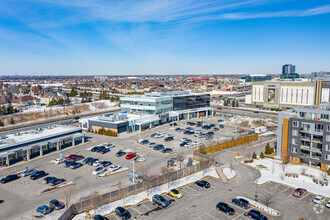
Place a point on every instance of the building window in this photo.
(287, 94)
(302, 96)
(327, 147)
(328, 137)
(297, 96)
(294, 141)
(327, 156)
(319, 128)
(307, 96)
(294, 132)
(302, 114)
(295, 124)
(325, 116)
(291, 95)
(294, 150)
(328, 128)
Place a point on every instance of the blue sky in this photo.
(69, 37)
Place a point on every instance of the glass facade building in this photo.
(190, 102)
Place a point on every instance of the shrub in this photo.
(262, 156)
(254, 155)
(202, 150)
(329, 172)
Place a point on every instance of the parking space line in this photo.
(284, 189)
(138, 211)
(146, 206)
(307, 194)
(211, 215)
(239, 215)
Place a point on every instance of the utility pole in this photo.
(256, 195)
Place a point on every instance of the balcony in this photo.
(305, 130)
(305, 138)
(317, 140)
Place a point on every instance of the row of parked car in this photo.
(54, 204)
(155, 146)
(318, 199)
(103, 149)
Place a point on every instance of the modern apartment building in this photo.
(289, 72)
(304, 135)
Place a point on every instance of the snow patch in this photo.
(261, 207)
(229, 173)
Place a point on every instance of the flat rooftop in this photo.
(33, 135)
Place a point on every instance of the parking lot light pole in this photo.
(133, 178)
(256, 195)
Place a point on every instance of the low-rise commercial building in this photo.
(304, 135)
(28, 144)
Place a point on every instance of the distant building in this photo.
(303, 136)
(47, 97)
(289, 72)
(257, 78)
(25, 101)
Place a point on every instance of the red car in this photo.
(130, 156)
(74, 157)
(219, 108)
(299, 192)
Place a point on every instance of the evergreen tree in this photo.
(254, 155)
(12, 121)
(117, 99)
(233, 103)
(262, 156)
(1, 123)
(236, 103)
(112, 99)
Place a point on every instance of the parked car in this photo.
(215, 129)
(175, 193)
(110, 146)
(104, 150)
(221, 126)
(203, 183)
(153, 135)
(120, 153)
(97, 163)
(114, 168)
(160, 200)
(254, 214)
(179, 130)
(91, 162)
(105, 163)
(241, 203)
(99, 170)
(44, 209)
(224, 207)
(256, 112)
(144, 142)
(167, 139)
(170, 135)
(167, 150)
(55, 204)
(152, 144)
(99, 149)
(76, 165)
(59, 160)
(86, 160)
(48, 179)
(68, 163)
(122, 213)
(159, 147)
(328, 204)
(28, 172)
(9, 178)
(74, 157)
(220, 120)
(299, 192)
(184, 139)
(206, 127)
(158, 136)
(94, 149)
(56, 181)
(161, 132)
(130, 156)
(183, 144)
(196, 143)
(38, 175)
(99, 217)
(210, 133)
(319, 199)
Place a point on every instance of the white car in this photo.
(235, 130)
(184, 139)
(158, 136)
(59, 160)
(28, 172)
(319, 199)
(114, 168)
(99, 170)
(196, 143)
(140, 159)
(328, 204)
(189, 145)
(161, 132)
(198, 131)
(110, 146)
(97, 163)
(170, 135)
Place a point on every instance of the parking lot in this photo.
(200, 203)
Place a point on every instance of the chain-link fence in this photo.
(121, 193)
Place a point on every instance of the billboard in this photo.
(271, 96)
(325, 95)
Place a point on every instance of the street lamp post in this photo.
(256, 195)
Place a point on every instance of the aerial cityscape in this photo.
(167, 110)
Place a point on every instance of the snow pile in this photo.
(229, 173)
(261, 207)
(274, 170)
(107, 173)
(267, 133)
(245, 121)
(222, 92)
(132, 200)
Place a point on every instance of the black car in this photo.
(167, 139)
(38, 175)
(105, 163)
(76, 165)
(1, 201)
(159, 147)
(90, 163)
(254, 214)
(86, 160)
(48, 179)
(206, 127)
(56, 181)
(144, 142)
(241, 202)
(100, 148)
(55, 204)
(68, 163)
(100, 217)
(9, 178)
(94, 149)
(183, 144)
(120, 153)
(225, 208)
(122, 213)
(104, 150)
(153, 135)
(175, 124)
(212, 125)
(210, 133)
(203, 183)
(167, 150)
(199, 125)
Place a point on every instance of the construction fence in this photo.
(232, 143)
(99, 200)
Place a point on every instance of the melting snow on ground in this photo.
(229, 173)
(272, 170)
(132, 200)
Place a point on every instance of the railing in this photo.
(100, 200)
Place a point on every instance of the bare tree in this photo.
(231, 165)
(144, 169)
(324, 175)
(68, 193)
(166, 171)
(94, 194)
(180, 158)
